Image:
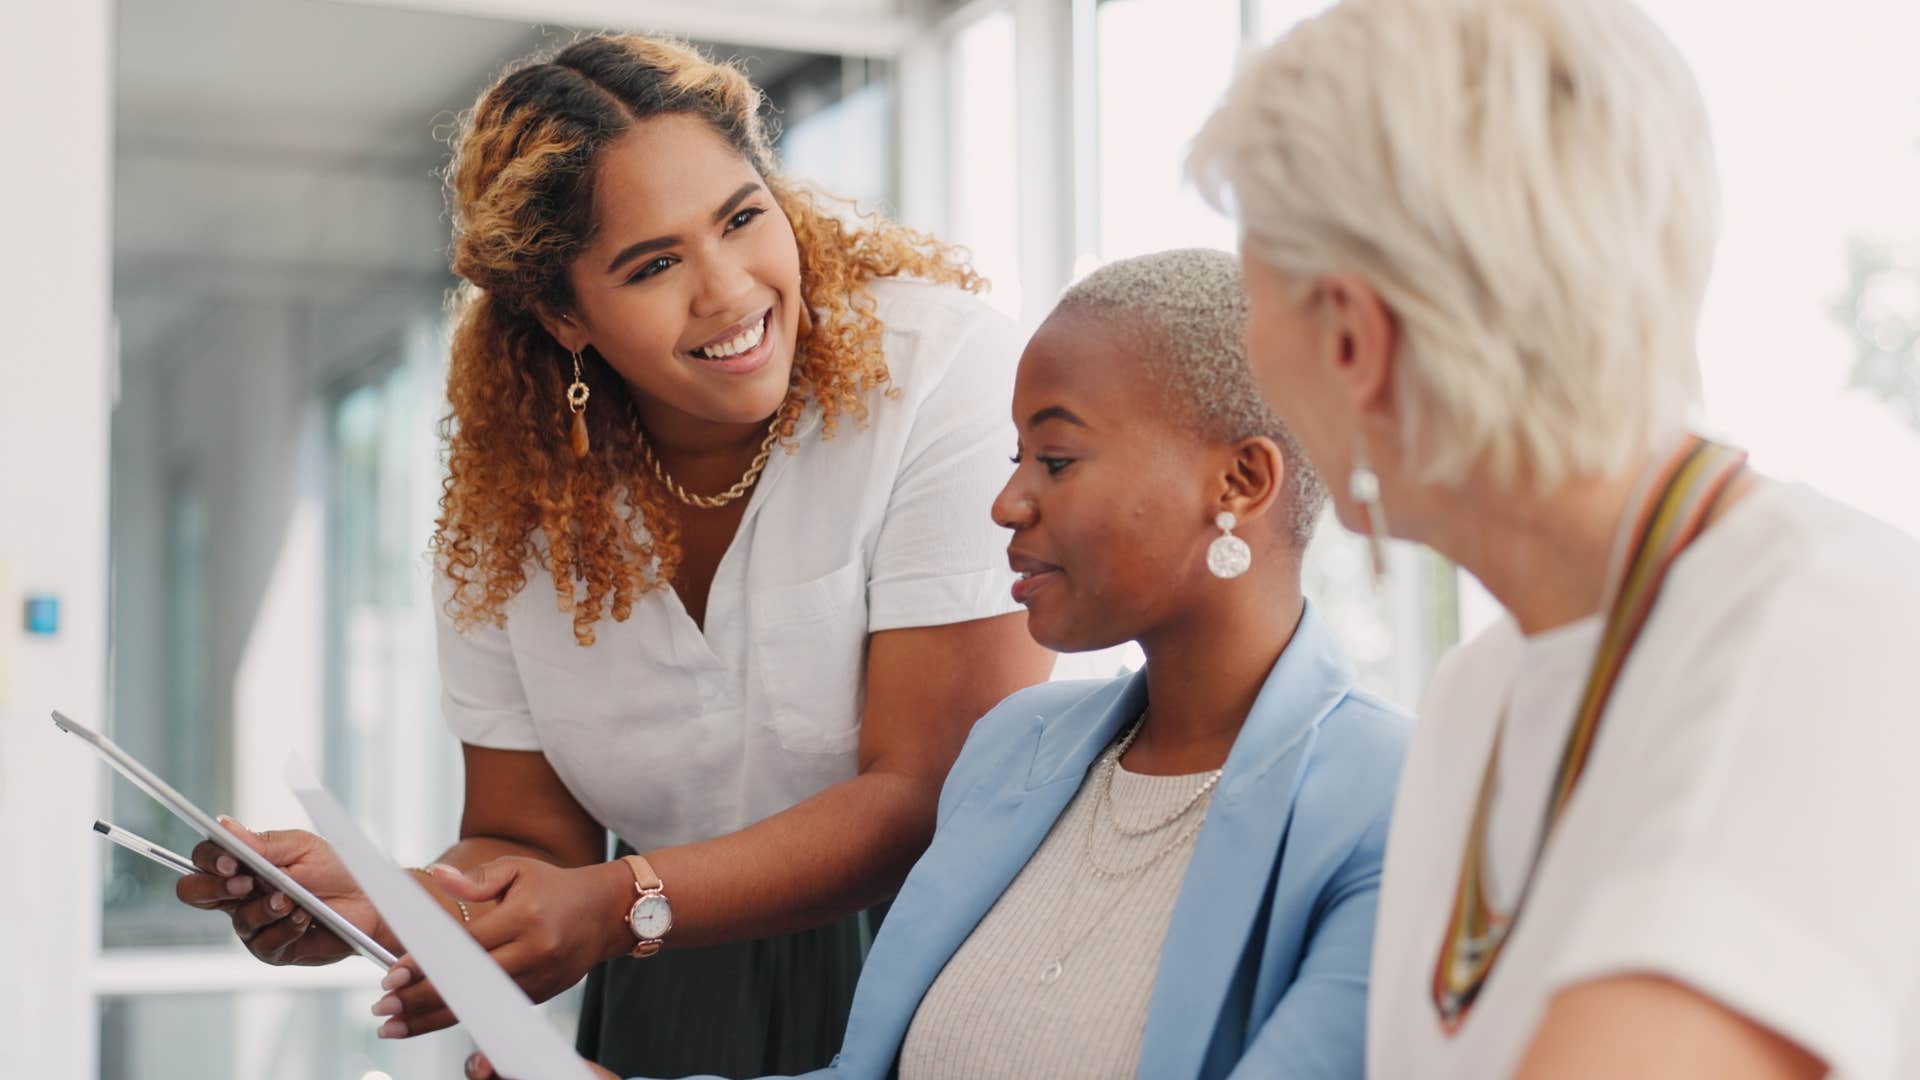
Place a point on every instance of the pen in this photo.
(140, 845)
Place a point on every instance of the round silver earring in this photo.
(1363, 486)
(1228, 556)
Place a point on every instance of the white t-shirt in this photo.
(668, 735)
(1748, 823)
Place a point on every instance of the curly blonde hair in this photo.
(520, 192)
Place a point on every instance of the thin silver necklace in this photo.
(1113, 812)
(1103, 799)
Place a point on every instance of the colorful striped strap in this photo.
(1684, 491)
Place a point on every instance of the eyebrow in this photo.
(644, 247)
(1056, 412)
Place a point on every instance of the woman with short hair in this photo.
(1655, 821)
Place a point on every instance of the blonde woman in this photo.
(1658, 820)
(705, 586)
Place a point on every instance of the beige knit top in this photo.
(1095, 899)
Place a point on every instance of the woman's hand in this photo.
(551, 925)
(479, 1068)
(263, 917)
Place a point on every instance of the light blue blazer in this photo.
(1264, 970)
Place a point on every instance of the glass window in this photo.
(837, 130)
(984, 195)
(176, 735)
(1163, 65)
(1808, 335)
(286, 1034)
(386, 754)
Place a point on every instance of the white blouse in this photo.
(1746, 824)
(668, 735)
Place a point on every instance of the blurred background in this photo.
(223, 361)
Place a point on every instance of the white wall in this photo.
(54, 391)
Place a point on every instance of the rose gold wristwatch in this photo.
(651, 915)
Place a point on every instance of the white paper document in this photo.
(496, 1012)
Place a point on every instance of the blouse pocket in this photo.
(811, 641)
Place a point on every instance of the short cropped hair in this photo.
(1190, 311)
(1529, 186)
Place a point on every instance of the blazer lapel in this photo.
(1234, 857)
(980, 849)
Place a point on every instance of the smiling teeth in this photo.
(736, 345)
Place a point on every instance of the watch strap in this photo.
(644, 879)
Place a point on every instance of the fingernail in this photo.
(300, 918)
(396, 978)
(226, 865)
(387, 1006)
(239, 886)
(279, 903)
(392, 1029)
(454, 870)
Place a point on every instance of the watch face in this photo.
(650, 918)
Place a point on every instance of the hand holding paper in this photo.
(547, 929)
(499, 1017)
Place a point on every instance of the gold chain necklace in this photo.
(741, 486)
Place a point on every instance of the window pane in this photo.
(288, 1035)
(985, 215)
(837, 129)
(1163, 65)
(285, 1034)
(1808, 338)
(386, 755)
(169, 722)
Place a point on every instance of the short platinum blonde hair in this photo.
(1189, 312)
(1529, 186)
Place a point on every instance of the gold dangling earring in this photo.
(577, 395)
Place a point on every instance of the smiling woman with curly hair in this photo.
(512, 477)
(717, 569)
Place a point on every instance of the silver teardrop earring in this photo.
(1363, 486)
(1228, 556)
